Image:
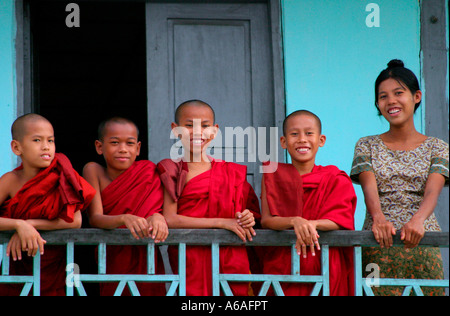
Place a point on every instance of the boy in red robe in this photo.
(129, 194)
(308, 198)
(200, 192)
(44, 193)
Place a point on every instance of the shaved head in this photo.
(185, 104)
(19, 127)
(301, 112)
(102, 128)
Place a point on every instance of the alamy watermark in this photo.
(373, 278)
(235, 144)
(73, 275)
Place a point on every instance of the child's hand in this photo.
(27, 239)
(158, 227)
(307, 236)
(247, 221)
(232, 224)
(138, 226)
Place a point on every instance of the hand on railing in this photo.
(26, 238)
(158, 227)
(307, 236)
(247, 222)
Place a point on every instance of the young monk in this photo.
(129, 194)
(44, 193)
(201, 192)
(308, 198)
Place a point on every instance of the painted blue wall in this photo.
(332, 59)
(7, 82)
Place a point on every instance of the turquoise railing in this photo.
(213, 238)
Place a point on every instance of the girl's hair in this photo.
(396, 70)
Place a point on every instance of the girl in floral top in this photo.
(402, 172)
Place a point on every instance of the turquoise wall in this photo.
(7, 82)
(332, 59)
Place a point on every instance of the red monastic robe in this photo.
(55, 192)
(216, 193)
(325, 193)
(137, 191)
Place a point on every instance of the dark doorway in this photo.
(82, 75)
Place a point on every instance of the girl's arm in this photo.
(413, 231)
(382, 229)
(174, 220)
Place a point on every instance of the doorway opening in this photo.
(83, 75)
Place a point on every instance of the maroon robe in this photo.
(217, 193)
(137, 191)
(55, 192)
(325, 193)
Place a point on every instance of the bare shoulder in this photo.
(10, 178)
(93, 170)
(10, 182)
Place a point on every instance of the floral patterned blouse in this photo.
(401, 176)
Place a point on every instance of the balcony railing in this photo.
(213, 238)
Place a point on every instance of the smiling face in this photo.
(196, 128)
(396, 102)
(302, 139)
(37, 145)
(119, 146)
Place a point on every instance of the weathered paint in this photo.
(332, 59)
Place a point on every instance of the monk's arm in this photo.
(55, 224)
(11, 224)
(174, 220)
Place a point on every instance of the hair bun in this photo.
(394, 63)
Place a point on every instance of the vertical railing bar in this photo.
(358, 271)
(1, 254)
(37, 274)
(5, 265)
(182, 268)
(326, 270)
(295, 261)
(70, 278)
(215, 259)
(102, 258)
(150, 258)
